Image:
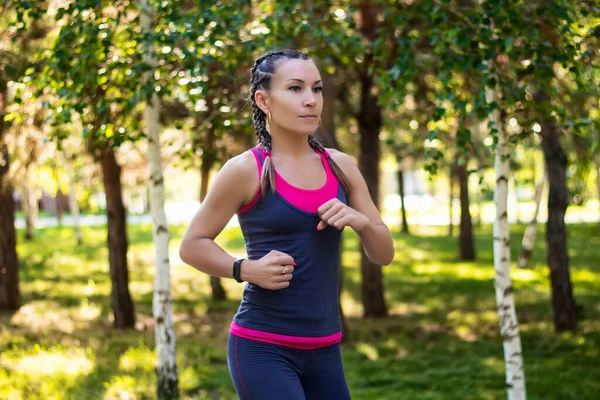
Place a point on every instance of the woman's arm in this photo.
(228, 191)
(235, 184)
(361, 213)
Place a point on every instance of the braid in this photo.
(261, 75)
(337, 171)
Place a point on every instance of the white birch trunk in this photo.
(509, 328)
(167, 385)
(73, 205)
(531, 231)
(29, 203)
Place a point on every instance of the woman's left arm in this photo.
(360, 213)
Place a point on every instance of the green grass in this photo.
(441, 340)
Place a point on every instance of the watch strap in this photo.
(237, 270)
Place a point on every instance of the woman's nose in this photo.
(310, 101)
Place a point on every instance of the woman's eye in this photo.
(317, 89)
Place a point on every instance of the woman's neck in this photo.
(290, 145)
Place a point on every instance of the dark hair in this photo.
(261, 75)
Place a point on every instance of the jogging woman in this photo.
(292, 198)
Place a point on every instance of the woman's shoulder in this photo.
(342, 159)
(242, 163)
(347, 164)
(241, 169)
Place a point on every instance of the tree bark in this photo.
(73, 204)
(326, 132)
(122, 305)
(466, 241)
(167, 382)
(531, 231)
(10, 296)
(402, 205)
(507, 316)
(208, 160)
(29, 204)
(565, 310)
(369, 123)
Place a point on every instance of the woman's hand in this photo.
(339, 215)
(273, 271)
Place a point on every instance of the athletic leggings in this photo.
(264, 371)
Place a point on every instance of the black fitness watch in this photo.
(237, 270)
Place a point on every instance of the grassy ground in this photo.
(441, 340)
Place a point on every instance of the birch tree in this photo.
(73, 204)
(167, 382)
(531, 230)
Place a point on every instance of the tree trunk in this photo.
(208, 160)
(29, 202)
(167, 382)
(326, 132)
(369, 123)
(565, 311)
(122, 305)
(451, 198)
(73, 204)
(507, 316)
(531, 231)
(466, 241)
(10, 296)
(402, 205)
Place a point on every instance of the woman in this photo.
(292, 198)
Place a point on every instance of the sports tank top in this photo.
(304, 315)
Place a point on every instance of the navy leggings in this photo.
(264, 371)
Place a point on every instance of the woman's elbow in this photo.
(385, 260)
(185, 251)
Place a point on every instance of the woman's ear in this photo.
(262, 100)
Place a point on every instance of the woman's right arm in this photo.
(234, 184)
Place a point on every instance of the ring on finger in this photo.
(285, 270)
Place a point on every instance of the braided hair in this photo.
(261, 76)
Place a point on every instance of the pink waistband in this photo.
(296, 342)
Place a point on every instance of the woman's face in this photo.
(295, 100)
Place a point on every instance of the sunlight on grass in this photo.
(525, 275)
(50, 362)
(121, 388)
(42, 315)
(408, 309)
(495, 363)
(367, 350)
(140, 357)
(351, 307)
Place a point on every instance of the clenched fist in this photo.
(273, 271)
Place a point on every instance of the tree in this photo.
(167, 382)
(17, 45)
(94, 89)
